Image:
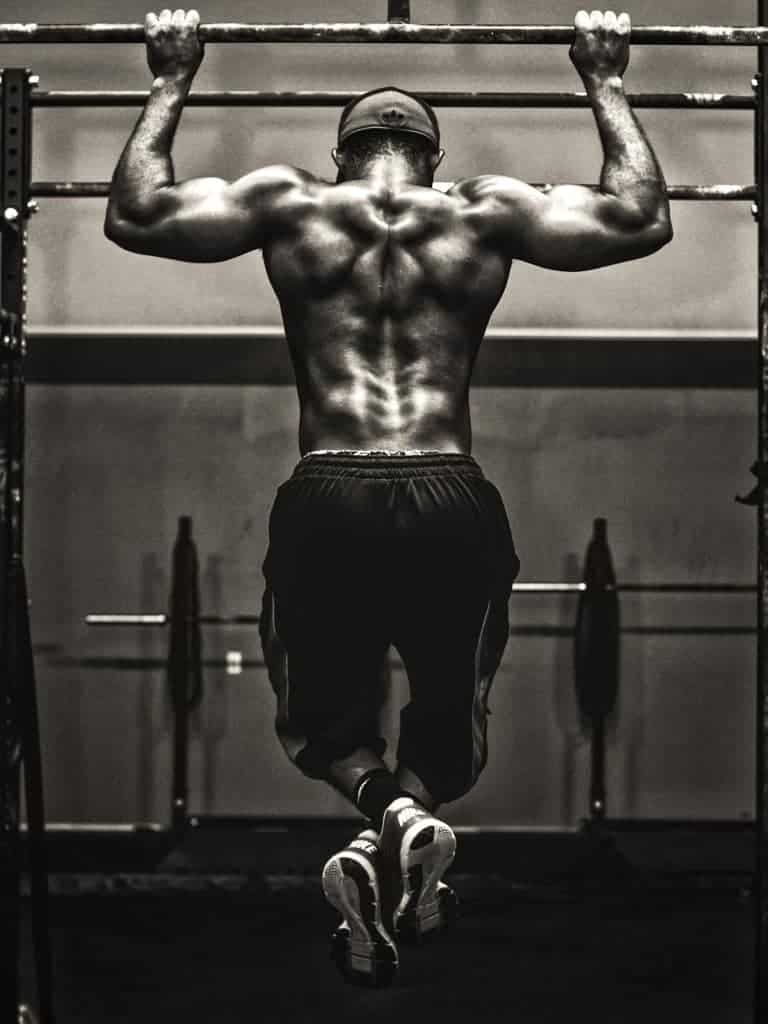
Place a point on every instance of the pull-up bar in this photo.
(697, 193)
(387, 32)
(332, 98)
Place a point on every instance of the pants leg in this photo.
(453, 629)
(322, 626)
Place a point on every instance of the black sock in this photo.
(375, 792)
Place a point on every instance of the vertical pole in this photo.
(597, 797)
(184, 663)
(398, 10)
(596, 658)
(15, 161)
(761, 747)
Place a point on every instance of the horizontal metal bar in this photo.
(127, 620)
(386, 32)
(310, 98)
(163, 620)
(688, 630)
(688, 588)
(545, 630)
(549, 588)
(128, 663)
(100, 828)
(160, 619)
(706, 193)
(63, 334)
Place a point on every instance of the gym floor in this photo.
(237, 944)
(520, 953)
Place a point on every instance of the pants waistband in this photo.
(385, 463)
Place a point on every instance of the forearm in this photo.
(630, 170)
(146, 164)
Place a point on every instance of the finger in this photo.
(178, 18)
(581, 21)
(624, 23)
(193, 18)
(165, 17)
(609, 21)
(150, 21)
(596, 20)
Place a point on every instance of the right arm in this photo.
(570, 227)
(203, 219)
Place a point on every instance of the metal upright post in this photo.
(596, 658)
(761, 775)
(184, 663)
(15, 148)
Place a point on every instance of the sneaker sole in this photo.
(361, 947)
(427, 905)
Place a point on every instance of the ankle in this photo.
(376, 791)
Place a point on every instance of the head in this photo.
(387, 122)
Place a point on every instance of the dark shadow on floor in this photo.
(252, 950)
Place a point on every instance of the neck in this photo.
(391, 171)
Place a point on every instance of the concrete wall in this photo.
(110, 469)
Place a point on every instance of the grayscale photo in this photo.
(384, 548)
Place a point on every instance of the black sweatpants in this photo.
(372, 550)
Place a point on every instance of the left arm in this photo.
(570, 227)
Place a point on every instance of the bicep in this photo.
(567, 227)
(572, 227)
(208, 219)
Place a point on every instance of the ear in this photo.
(437, 159)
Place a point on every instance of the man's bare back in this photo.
(386, 284)
(386, 289)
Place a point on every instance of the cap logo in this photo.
(394, 118)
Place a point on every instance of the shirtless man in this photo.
(387, 533)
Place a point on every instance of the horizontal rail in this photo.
(68, 333)
(138, 663)
(161, 619)
(99, 828)
(386, 32)
(309, 98)
(697, 193)
(687, 588)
